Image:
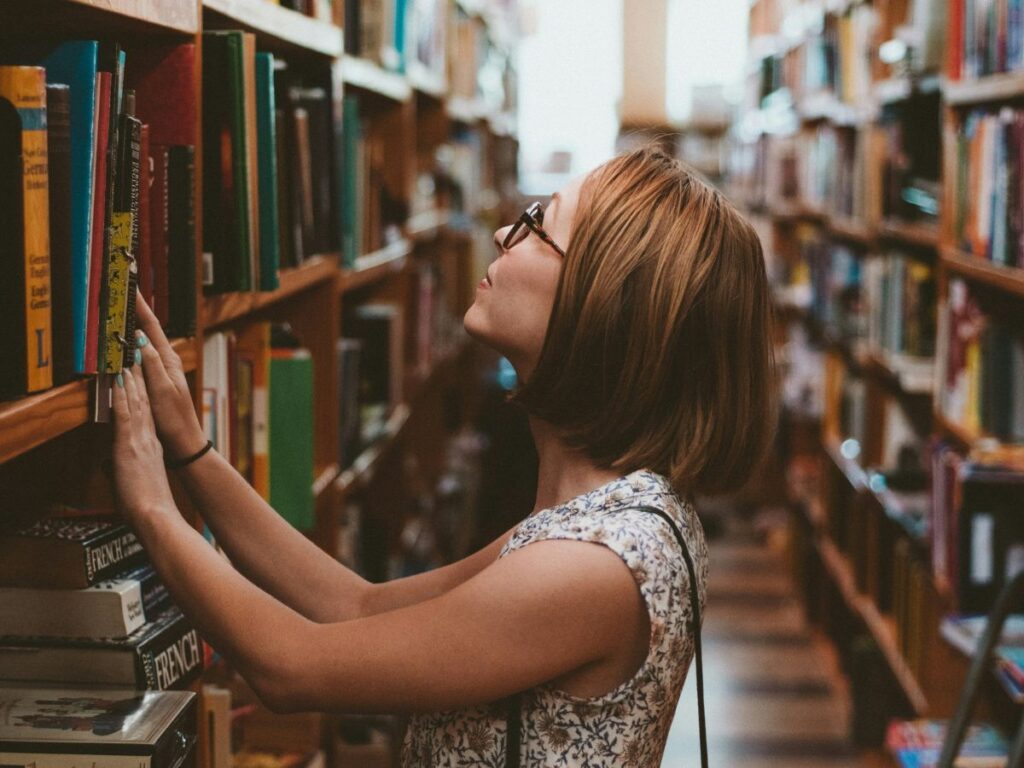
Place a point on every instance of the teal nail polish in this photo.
(120, 380)
(138, 356)
(142, 340)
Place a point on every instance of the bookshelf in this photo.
(865, 443)
(418, 252)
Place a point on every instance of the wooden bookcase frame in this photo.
(414, 114)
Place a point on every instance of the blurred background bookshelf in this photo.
(874, 149)
(333, 249)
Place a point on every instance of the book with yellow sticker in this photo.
(25, 338)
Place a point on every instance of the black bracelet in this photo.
(179, 463)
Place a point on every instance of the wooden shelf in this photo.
(231, 307)
(425, 82)
(325, 478)
(922, 235)
(28, 422)
(375, 266)
(880, 627)
(367, 76)
(425, 226)
(852, 471)
(173, 15)
(893, 90)
(1009, 279)
(463, 110)
(959, 432)
(277, 26)
(1001, 87)
(851, 230)
(363, 467)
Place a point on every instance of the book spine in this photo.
(158, 227)
(24, 88)
(270, 235)
(109, 555)
(171, 658)
(58, 127)
(99, 206)
(181, 235)
(145, 217)
(134, 192)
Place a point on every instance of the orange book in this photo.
(253, 350)
(27, 224)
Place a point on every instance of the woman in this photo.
(635, 311)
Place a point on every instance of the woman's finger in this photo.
(151, 327)
(153, 368)
(131, 390)
(122, 414)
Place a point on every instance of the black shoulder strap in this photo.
(695, 605)
(513, 703)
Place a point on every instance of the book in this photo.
(347, 354)
(253, 350)
(379, 327)
(67, 552)
(165, 652)
(58, 160)
(158, 228)
(65, 727)
(75, 63)
(25, 303)
(181, 241)
(291, 435)
(99, 218)
(917, 744)
(113, 608)
(266, 124)
(226, 197)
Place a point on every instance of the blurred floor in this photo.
(773, 692)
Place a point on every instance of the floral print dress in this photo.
(626, 727)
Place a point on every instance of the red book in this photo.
(955, 40)
(164, 79)
(158, 243)
(142, 257)
(99, 209)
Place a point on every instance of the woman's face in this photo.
(514, 301)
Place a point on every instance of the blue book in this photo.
(266, 147)
(74, 63)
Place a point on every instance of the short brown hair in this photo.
(658, 353)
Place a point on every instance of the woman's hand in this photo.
(173, 413)
(140, 479)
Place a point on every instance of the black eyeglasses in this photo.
(532, 219)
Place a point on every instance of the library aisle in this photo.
(773, 691)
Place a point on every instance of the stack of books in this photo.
(79, 604)
(64, 727)
(918, 744)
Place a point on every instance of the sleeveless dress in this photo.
(628, 726)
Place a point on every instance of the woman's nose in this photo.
(499, 239)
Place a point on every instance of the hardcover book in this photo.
(113, 608)
(163, 653)
(67, 553)
(25, 247)
(61, 728)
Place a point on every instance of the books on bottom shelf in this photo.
(63, 728)
(964, 633)
(79, 604)
(918, 743)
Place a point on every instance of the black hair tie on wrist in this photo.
(179, 463)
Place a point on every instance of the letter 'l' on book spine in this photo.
(23, 97)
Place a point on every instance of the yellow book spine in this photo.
(25, 88)
(122, 262)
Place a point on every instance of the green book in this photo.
(291, 436)
(225, 162)
(266, 131)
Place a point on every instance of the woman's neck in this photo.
(563, 473)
